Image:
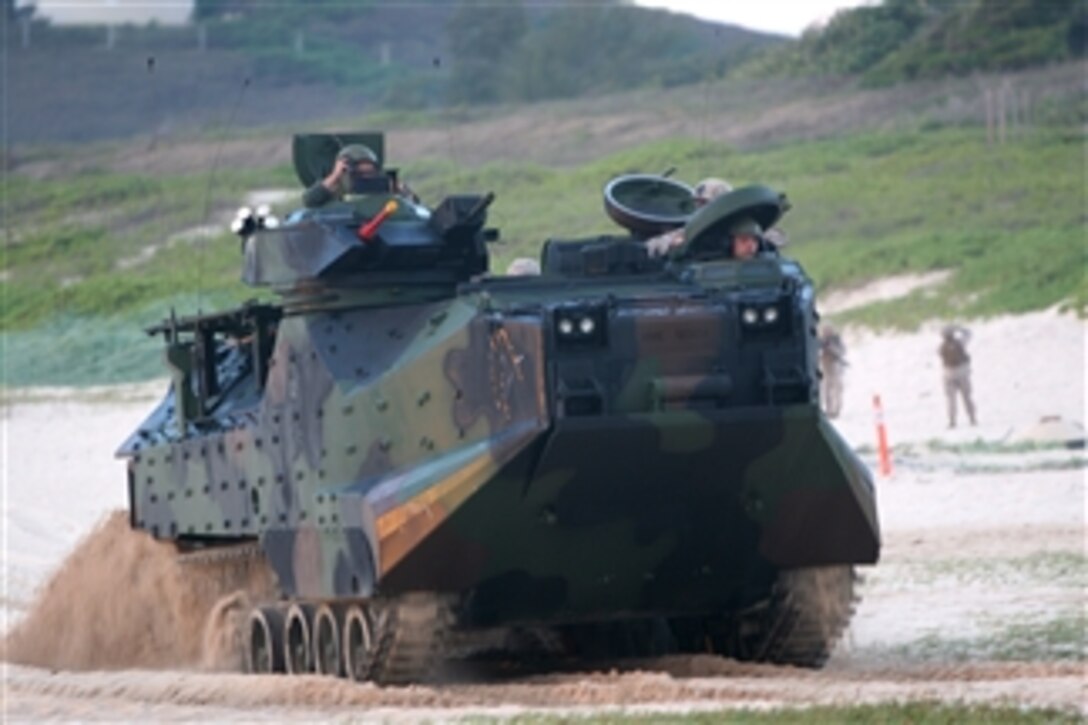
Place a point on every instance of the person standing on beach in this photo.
(832, 365)
(957, 371)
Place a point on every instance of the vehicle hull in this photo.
(673, 513)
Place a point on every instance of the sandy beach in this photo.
(979, 597)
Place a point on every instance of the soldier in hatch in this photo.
(353, 162)
(832, 365)
(957, 370)
(705, 191)
(745, 239)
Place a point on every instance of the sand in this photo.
(979, 597)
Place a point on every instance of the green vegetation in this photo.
(430, 55)
(918, 713)
(864, 208)
(935, 445)
(1057, 639)
(1070, 568)
(917, 202)
(1057, 635)
(903, 40)
(507, 53)
(419, 55)
(982, 446)
(1069, 464)
(97, 248)
(77, 237)
(515, 52)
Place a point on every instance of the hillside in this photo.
(248, 64)
(100, 239)
(289, 62)
(894, 41)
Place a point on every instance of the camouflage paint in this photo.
(414, 431)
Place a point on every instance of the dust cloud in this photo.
(222, 643)
(124, 600)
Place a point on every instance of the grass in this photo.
(88, 395)
(913, 453)
(1067, 567)
(1056, 634)
(944, 201)
(917, 713)
(982, 446)
(1070, 464)
(70, 235)
(71, 349)
(1061, 638)
(864, 208)
(1008, 221)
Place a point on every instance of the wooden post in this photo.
(1001, 116)
(1025, 109)
(1014, 109)
(989, 95)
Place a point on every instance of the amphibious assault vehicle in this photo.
(623, 455)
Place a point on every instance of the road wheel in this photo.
(297, 642)
(327, 638)
(264, 641)
(358, 644)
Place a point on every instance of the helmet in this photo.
(357, 152)
(746, 226)
(709, 189)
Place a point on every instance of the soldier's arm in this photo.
(324, 191)
(317, 195)
(661, 244)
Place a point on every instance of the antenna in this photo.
(705, 130)
(155, 113)
(446, 116)
(447, 121)
(219, 149)
(210, 184)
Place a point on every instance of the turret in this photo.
(373, 245)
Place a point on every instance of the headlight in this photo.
(758, 318)
(580, 325)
